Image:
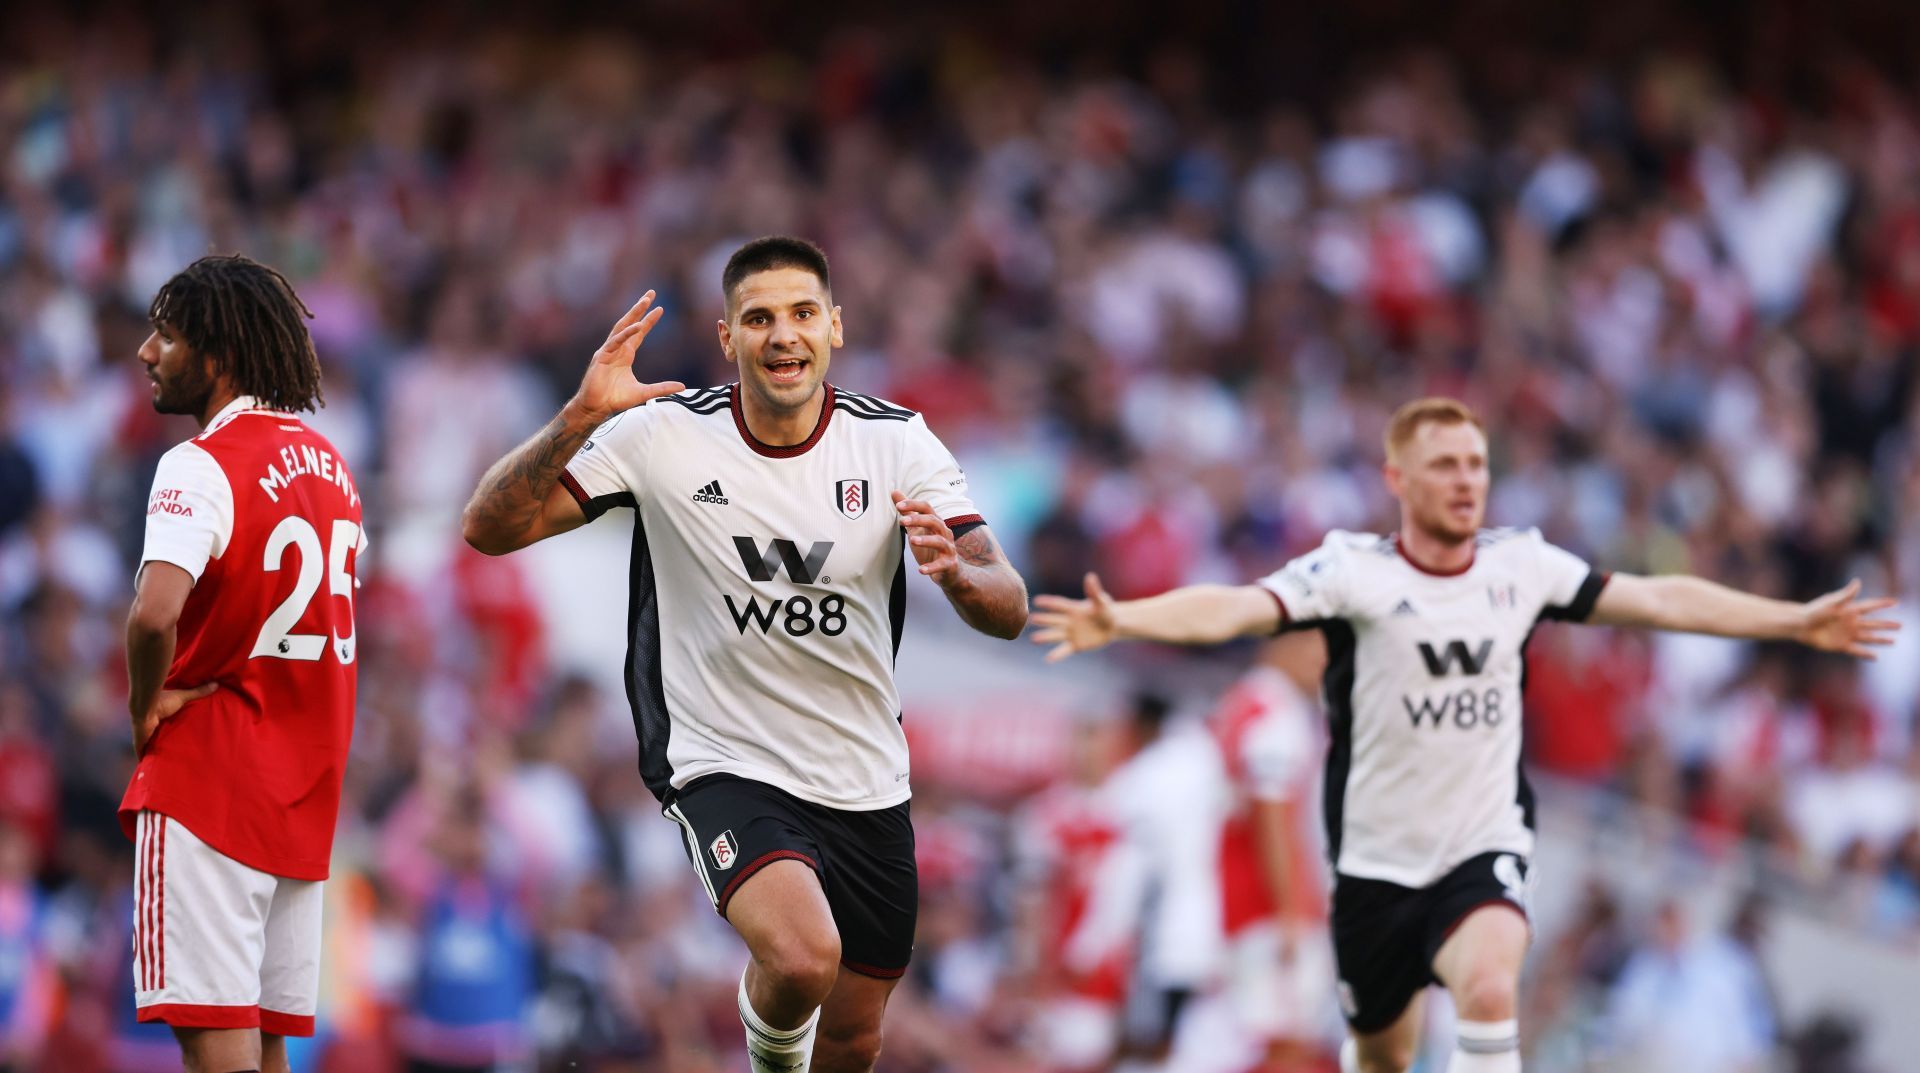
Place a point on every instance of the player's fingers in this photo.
(1048, 636)
(665, 387)
(1059, 652)
(634, 334)
(615, 347)
(633, 314)
(911, 506)
(1880, 625)
(1879, 603)
(200, 691)
(1094, 589)
(1061, 604)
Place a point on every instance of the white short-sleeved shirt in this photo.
(768, 588)
(189, 511)
(1423, 692)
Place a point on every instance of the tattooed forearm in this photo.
(989, 594)
(512, 495)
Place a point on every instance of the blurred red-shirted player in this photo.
(1065, 833)
(1273, 883)
(240, 651)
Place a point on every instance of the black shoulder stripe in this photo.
(869, 403)
(868, 415)
(711, 406)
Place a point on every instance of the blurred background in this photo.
(1157, 275)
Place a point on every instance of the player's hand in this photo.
(930, 539)
(1073, 626)
(610, 387)
(166, 706)
(1839, 622)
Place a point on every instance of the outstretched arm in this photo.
(1195, 615)
(1836, 622)
(972, 570)
(521, 500)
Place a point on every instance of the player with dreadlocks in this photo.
(240, 656)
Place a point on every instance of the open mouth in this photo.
(787, 370)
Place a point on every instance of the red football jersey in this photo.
(261, 510)
(1068, 832)
(1267, 738)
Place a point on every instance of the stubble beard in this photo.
(185, 394)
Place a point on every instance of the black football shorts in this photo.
(734, 827)
(1385, 935)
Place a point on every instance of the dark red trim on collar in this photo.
(1425, 569)
(769, 450)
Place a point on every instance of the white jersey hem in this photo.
(1420, 880)
(809, 794)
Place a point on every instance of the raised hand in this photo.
(1073, 626)
(928, 536)
(1838, 622)
(609, 387)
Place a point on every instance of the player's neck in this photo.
(777, 428)
(222, 397)
(1432, 553)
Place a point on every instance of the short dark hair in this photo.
(771, 252)
(1148, 711)
(247, 320)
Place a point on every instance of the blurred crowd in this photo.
(1161, 319)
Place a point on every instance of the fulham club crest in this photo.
(851, 497)
(725, 853)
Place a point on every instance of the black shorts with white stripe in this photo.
(1385, 936)
(734, 827)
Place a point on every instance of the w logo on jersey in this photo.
(1440, 664)
(851, 497)
(764, 566)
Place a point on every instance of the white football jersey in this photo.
(1423, 691)
(768, 588)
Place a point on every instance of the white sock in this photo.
(1349, 1056)
(774, 1050)
(1486, 1047)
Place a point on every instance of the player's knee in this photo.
(803, 963)
(1487, 995)
(847, 1048)
(1395, 1060)
(1384, 1054)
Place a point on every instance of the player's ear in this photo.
(726, 339)
(839, 336)
(1391, 473)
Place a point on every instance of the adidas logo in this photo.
(711, 493)
(1404, 608)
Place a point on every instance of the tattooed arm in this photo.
(521, 500)
(972, 570)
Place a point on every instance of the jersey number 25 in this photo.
(276, 638)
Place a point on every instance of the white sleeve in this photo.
(190, 512)
(1311, 588)
(1568, 585)
(930, 473)
(1276, 751)
(608, 469)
